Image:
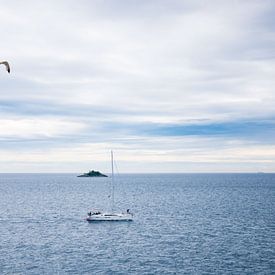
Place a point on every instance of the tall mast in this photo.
(113, 187)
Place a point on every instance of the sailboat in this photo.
(112, 215)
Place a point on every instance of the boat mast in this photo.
(113, 187)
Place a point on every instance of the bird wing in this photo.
(7, 66)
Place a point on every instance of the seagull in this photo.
(7, 65)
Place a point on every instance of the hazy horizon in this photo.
(134, 173)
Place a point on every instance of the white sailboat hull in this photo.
(110, 217)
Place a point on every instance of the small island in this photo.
(92, 174)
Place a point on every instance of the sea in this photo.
(183, 224)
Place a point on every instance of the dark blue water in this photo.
(184, 224)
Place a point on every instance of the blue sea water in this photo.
(183, 224)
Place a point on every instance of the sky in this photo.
(170, 86)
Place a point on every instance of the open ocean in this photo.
(183, 224)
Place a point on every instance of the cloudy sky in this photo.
(170, 86)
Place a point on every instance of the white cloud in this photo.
(178, 62)
(154, 152)
(37, 128)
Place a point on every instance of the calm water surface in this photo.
(184, 224)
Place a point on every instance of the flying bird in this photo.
(6, 63)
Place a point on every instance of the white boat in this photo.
(97, 215)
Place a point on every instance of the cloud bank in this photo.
(171, 86)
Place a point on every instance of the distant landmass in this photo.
(92, 174)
